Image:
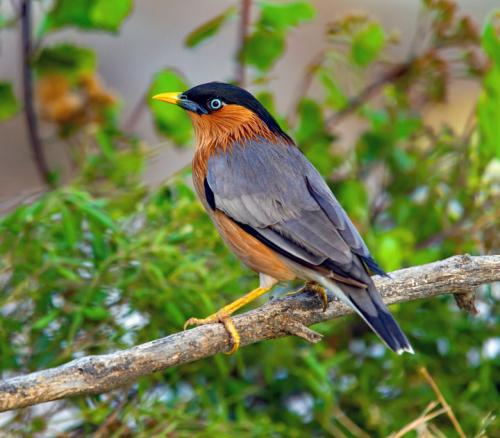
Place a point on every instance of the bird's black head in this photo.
(206, 99)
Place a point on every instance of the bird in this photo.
(274, 210)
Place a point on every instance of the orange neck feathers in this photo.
(231, 124)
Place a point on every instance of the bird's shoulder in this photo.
(260, 179)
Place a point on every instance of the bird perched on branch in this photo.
(274, 210)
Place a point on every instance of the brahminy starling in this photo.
(274, 210)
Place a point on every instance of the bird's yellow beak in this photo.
(168, 97)
(181, 100)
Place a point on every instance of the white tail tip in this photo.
(405, 350)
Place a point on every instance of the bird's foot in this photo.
(221, 317)
(312, 286)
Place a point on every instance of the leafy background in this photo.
(106, 262)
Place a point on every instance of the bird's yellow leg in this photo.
(312, 286)
(224, 316)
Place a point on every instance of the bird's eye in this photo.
(215, 104)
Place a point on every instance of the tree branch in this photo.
(29, 108)
(242, 38)
(277, 318)
(370, 90)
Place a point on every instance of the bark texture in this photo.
(290, 315)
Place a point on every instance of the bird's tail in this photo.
(369, 305)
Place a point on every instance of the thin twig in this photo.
(29, 108)
(98, 374)
(304, 86)
(350, 425)
(417, 422)
(443, 402)
(135, 114)
(369, 91)
(428, 409)
(104, 429)
(242, 38)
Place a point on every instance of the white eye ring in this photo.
(215, 104)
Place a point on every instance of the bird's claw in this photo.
(321, 291)
(314, 287)
(222, 318)
(193, 321)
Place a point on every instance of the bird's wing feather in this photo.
(273, 189)
(332, 208)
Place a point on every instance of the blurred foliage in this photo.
(9, 104)
(106, 263)
(168, 119)
(105, 15)
(67, 59)
(488, 108)
(209, 28)
(268, 40)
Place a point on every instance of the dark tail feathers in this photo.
(369, 305)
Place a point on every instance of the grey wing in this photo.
(332, 208)
(275, 194)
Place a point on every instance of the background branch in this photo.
(277, 318)
(29, 108)
(242, 37)
(370, 90)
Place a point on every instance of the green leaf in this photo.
(174, 313)
(490, 38)
(69, 13)
(313, 137)
(335, 98)
(105, 15)
(66, 59)
(71, 225)
(283, 15)
(4, 21)
(389, 253)
(68, 274)
(393, 248)
(91, 208)
(110, 14)
(267, 43)
(105, 143)
(263, 48)
(311, 120)
(170, 120)
(367, 44)
(155, 274)
(96, 313)
(8, 102)
(44, 321)
(98, 216)
(267, 100)
(354, 198)
(403, 160)
(488, 109)
(209, 28)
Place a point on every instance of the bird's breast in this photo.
(251, 251)
(199, 168)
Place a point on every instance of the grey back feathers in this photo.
(276, 190)
(257, 183)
